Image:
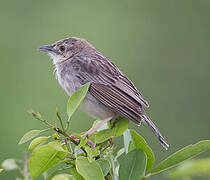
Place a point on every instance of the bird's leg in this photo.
(97, 126)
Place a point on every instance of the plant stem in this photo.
(59, 117)
(147, 176)
(58, 130)
(39, 117)
(68, 137)
(46, 129)
(115, 175)
(67, 124)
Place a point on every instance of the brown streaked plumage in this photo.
(111, 93)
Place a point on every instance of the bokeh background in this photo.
(163, 47)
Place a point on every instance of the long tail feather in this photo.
(156, 131)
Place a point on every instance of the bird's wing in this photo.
(111, 87)
(118, 101)
(99, 69)
(128, 87)
(114, 89)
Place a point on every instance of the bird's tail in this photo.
(155, 131)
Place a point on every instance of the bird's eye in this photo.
(62, 48)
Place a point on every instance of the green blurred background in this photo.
(163, 47)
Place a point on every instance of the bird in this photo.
(110, 94)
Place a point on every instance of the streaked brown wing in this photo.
(128, 87)
(100, 70)
(119, 101)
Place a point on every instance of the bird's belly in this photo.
(95, 108)
(91, 106)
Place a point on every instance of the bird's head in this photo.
(63, 50)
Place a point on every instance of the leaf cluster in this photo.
(61, 155)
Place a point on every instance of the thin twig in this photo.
(59, 117)
(39, 117)
(69, 138)
(67, 124)
(146, 176)
(58, 130)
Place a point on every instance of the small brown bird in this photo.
(110, 94)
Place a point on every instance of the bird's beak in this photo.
(47, 48)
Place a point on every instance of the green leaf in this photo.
(118, 126)
(36, 142)
(127, 139)
(191, 168)
(132, 165)
(101, 136)
(54, 173)
(1, 170)
(45, 157)
(76, 174)
(140, 143)
(29, 135)
(89, 170)
(92, 152)
(82, 142)
(105, 165)
(49, 177)
(119, 153)
(76, 99)
(132, 146)
(182, 155)
(57, 146)
(63, 177)
(9, 164)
